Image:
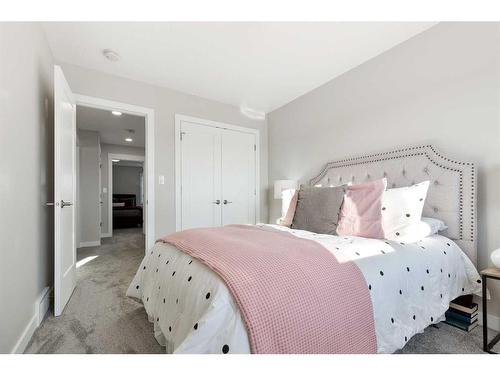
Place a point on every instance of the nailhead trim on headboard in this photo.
(465, 171)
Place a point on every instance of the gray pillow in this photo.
(318, 209)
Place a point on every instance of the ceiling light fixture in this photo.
(111, 55)
(115, 160)
(116, 113)
(128, 139)
(252, 113)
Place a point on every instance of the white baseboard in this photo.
(493, 321)
(40, 309)
(90, 244)
(105, 235)
(42, 304)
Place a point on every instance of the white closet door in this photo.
(200, 176)
(238, 177)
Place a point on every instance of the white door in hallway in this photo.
(64, 191)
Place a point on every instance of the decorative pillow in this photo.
(361, 213)
(318, 209)
(288, 205)
(402, 207)
(424, 228)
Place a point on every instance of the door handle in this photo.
(64, 204)
(226, 201)
(217, 201)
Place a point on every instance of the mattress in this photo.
(410, 285)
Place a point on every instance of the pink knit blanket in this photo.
(293, 294)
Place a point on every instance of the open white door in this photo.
(64, 191)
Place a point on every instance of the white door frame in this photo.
(112, 156)
(149, 117)
(178, 198)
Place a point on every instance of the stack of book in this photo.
(463, 313)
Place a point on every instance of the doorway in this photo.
(148, 161)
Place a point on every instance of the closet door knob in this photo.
(217, 201)
(225, 201)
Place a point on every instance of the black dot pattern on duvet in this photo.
(190, 278)
(196, 326)
(191, 261)
(137, 287)
(173, 273)
(225, 349)
(381, 273)
(478, 281)
(370, 287)
(207, 296)
(169, 328)
(400, 292)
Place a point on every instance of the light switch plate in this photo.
(161, 180)
(104, 189)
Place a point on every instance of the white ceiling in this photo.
(112, 129)
(258, 65)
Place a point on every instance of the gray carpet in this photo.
(100, 319)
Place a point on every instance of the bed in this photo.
(408, 286)
(126, 214)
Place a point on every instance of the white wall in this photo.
(441, 87)
(26, 178)
(166, 104)
(89, 200)
(105, 150)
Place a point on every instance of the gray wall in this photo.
(26, 175)
(88, 187)
(105, 150)
(166, 104)
(441, 87)
(126, 180)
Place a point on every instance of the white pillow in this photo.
(401, 208)
(424, 228)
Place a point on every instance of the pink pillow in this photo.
(290, 213)
(361, 212)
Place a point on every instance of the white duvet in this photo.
(410, 285)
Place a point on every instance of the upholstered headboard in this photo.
(452, 191)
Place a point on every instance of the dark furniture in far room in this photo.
(492, 273)
(126, 214)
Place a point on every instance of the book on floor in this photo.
(464, 326)
(468, 309)
(459, 315)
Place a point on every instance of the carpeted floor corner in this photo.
(99, 318)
